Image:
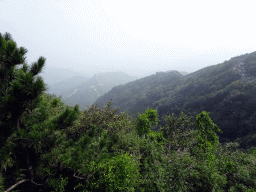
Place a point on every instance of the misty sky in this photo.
(133, 36)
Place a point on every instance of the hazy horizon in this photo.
(135, 37)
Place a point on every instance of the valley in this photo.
(203, 140)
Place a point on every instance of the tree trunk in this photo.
(28, 164)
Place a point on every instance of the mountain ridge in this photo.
(211, 89)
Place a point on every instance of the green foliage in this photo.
(27, 128)
(184, 172)
(174, 123)
(207, 138)
(120, 173)
(1, 182)
(105, 119)
(177, 132)
(59, 184)
(151, 156)
(52, 147)
(157, 137)
(67, 118)
(84, 154)
(144, 121)
(253, 151)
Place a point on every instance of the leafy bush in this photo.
(145, 120)
(120, 173)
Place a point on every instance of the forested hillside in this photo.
(46, 145)
(226, 90)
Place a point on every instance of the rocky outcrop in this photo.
(239, 69)
(245, 78)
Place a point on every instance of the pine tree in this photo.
(25, 134)
(19, 95)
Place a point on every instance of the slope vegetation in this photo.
(48, 146)
(225, 90)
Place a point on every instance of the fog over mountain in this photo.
(99, 36)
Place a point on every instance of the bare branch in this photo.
(36, 183)
(77, 176)
(15, 185)
(22, 181)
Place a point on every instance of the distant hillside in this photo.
(183, 72)
(226, 90)
(136, 96)
(86, 93)
(59, 87)
(53, 75)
